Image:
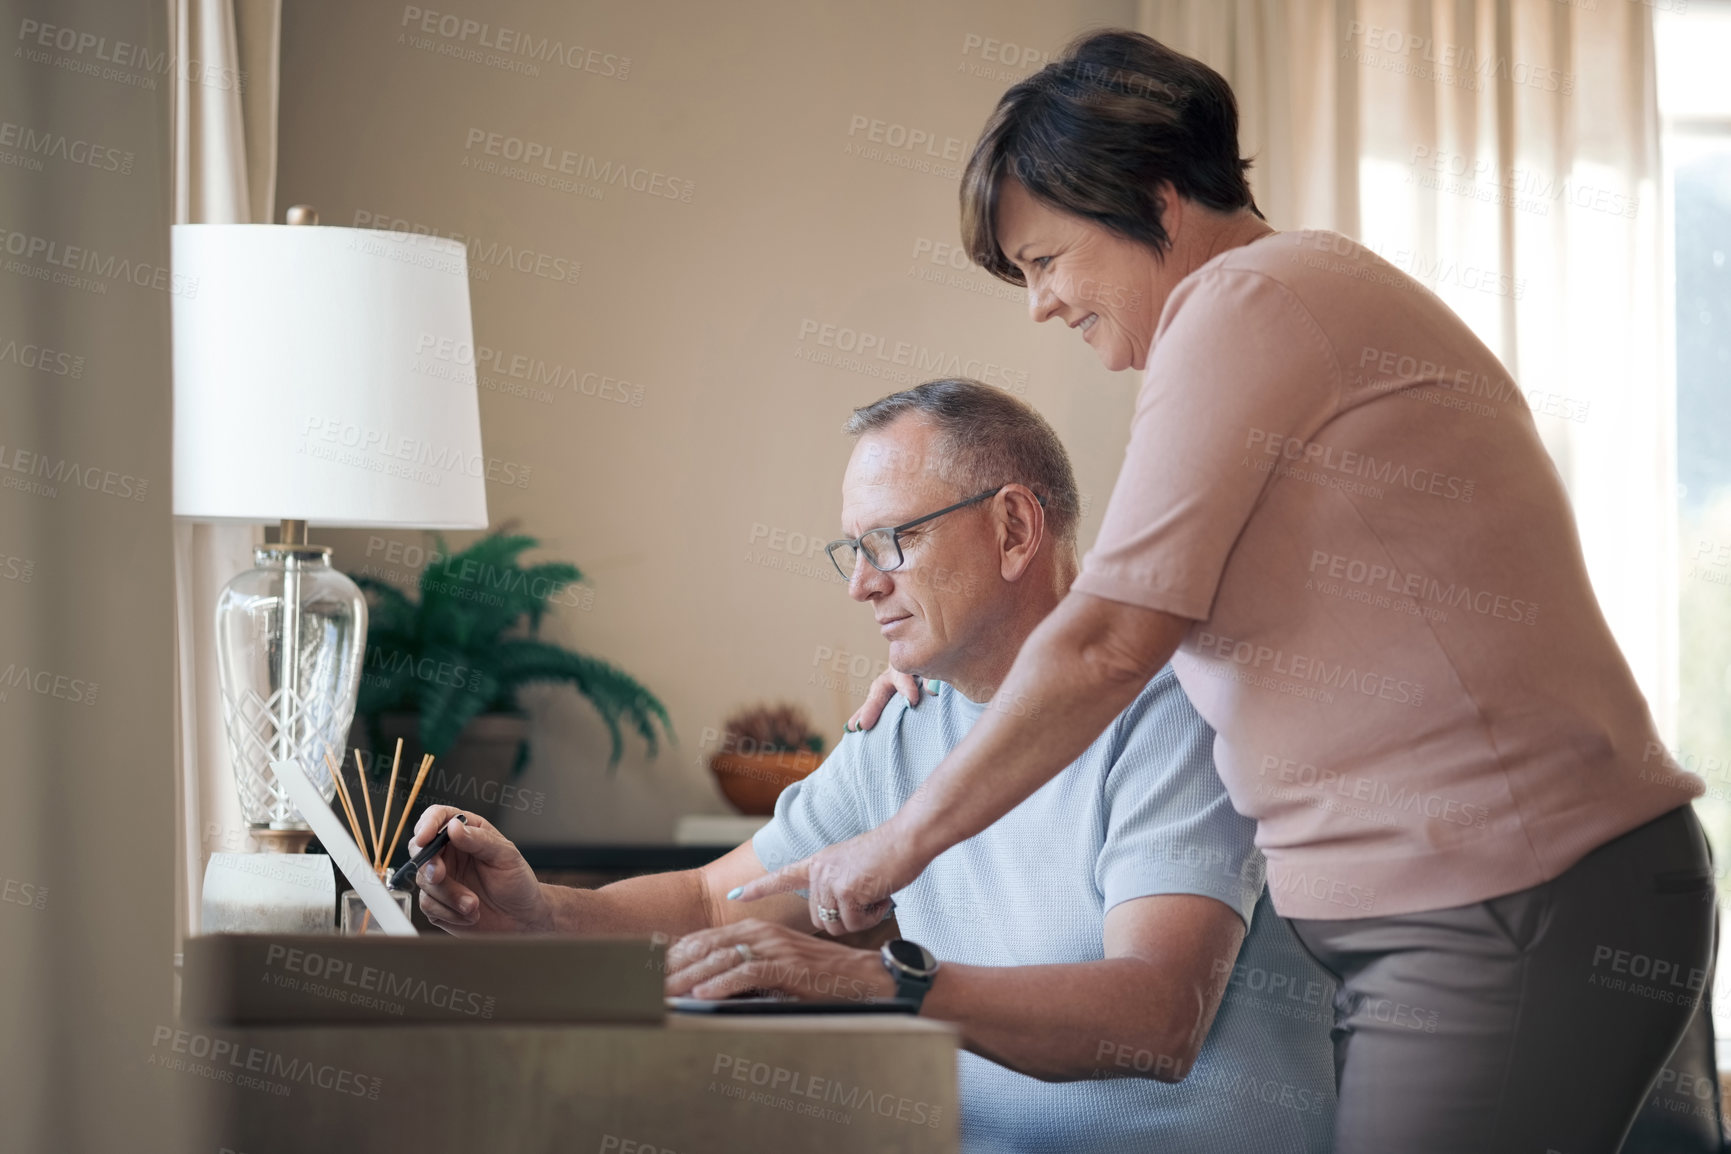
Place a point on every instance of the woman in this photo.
(1374, 593)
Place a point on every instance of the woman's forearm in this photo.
(1084, 664)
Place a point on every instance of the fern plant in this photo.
(471, 643)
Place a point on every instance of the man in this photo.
(1084, 945)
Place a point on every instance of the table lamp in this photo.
(317, 379)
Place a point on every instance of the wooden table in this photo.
(695, 1084)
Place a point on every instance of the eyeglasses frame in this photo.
(896, 531)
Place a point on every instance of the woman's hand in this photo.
(479, 883)
(888, 684)
(867, 869)
(762, 956)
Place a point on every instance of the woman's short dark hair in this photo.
(1096, 131)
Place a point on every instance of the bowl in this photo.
(752, 781)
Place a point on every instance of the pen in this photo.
(403, 871)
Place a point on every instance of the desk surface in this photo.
(693, 1085)
(825, 1025)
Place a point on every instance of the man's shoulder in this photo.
(901, 729)
(1156, 744)
(1162, 704)
(898, 716)
(1160, 717)
(943, 715)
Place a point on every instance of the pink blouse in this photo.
(1415, 693)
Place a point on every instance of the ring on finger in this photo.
(828, 914)
(744, 951)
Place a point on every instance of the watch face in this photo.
(908, 954)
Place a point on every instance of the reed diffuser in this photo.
(356, 918)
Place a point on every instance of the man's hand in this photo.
(479, 883)
(868, 868)
(888, 684)
(763, 956)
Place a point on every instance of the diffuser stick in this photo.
(385, 818)
(366, 796)
(336, 769)
(426, 764)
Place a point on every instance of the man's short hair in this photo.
(986, 438)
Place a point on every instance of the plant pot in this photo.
(473, 775)
(752, 781)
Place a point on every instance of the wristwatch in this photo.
(912, 967)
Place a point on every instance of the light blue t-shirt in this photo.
(1141, 812)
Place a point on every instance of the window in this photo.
(1693, 43)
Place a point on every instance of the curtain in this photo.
(86, 648)
(1506, 154)
(224, 173)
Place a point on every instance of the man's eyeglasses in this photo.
(882, 548)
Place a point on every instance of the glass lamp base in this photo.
(290, 633)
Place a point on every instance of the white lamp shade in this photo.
(325, 375)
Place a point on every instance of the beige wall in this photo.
(680, 498)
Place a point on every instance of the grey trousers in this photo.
(1534, 1022)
